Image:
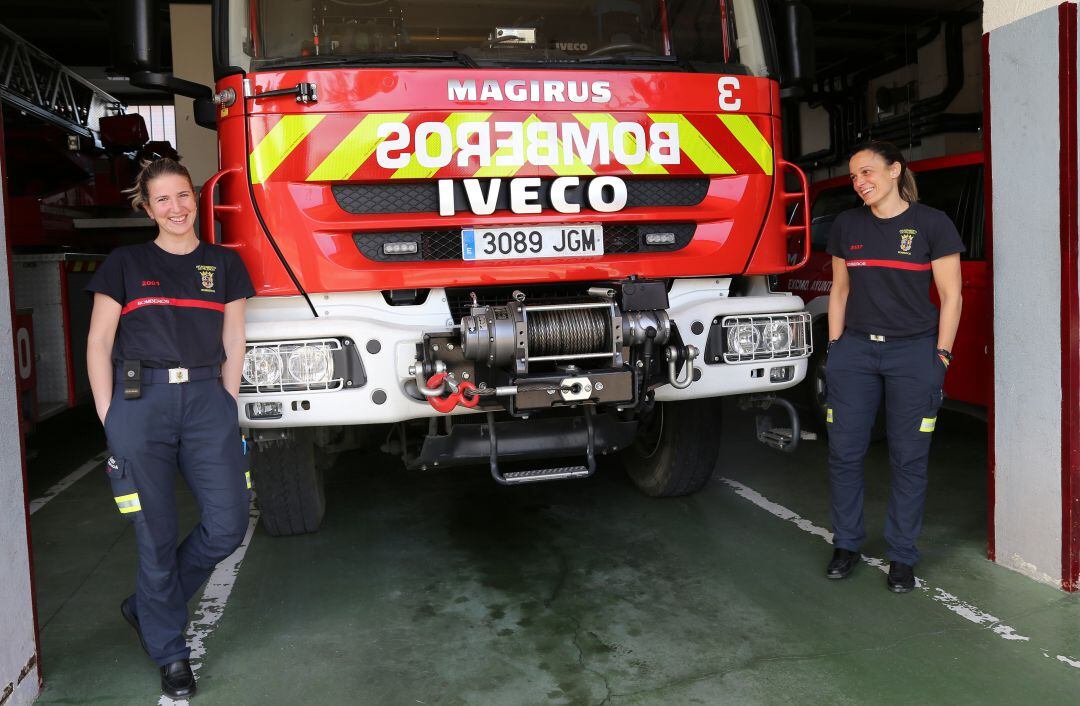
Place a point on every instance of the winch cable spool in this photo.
(571, 332)
(517, 334)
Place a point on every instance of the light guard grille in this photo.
(800, 344)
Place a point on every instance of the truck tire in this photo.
(677, 448)
(288, 484)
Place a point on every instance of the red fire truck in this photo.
(511, 232)
(953, 184)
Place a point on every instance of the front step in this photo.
(534, 476)
(781, 438)
(540, 474)
(777, 438)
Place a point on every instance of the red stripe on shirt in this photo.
(169, 301)
(891, 264)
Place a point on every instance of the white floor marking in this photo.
(965, 610)
(212, 604)
(68, 481)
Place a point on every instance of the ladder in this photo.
(34, 82)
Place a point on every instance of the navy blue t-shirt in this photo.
(173, 305)
(888, 261)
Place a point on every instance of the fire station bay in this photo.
(539, 352)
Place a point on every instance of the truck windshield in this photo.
(691, 35)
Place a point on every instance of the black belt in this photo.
(881, 338)
(174, 375)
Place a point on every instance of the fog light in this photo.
(264, 410)
(660, 239)
(782, 374)
(403, 248)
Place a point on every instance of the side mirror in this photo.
(135, 51)
(205, 113)
(798, 53)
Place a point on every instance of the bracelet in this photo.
(946, 356)
(830, 344)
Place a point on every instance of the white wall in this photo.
(18, 658)
(1024, 129)
(998, 13)
(192, 61)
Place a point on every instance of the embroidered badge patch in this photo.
(907, 236)
(206, 275)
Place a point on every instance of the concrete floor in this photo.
(446, 589)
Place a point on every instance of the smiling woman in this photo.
(165, 353)
(887, 341)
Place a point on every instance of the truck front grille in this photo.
(423, 197)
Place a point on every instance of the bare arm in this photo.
(233, 337)
(949, 284)
(838, 295)
(99, 344)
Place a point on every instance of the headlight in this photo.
(287, 366)
(776, 335)
(743, 339)
(762, 337)
(262, 366)
(310, 364)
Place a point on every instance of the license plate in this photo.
(520, 242)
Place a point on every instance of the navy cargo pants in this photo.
(909, 374)
(191, 428)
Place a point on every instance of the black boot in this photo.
(177, 680)
(843, 561)
(901, 577)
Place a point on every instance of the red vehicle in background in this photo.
(952, 184)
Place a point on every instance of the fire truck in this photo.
(525, 235)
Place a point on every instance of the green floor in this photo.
(445, 589)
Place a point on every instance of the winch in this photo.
(596, 348)
(518, 334)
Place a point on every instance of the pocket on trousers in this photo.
(114, 407)
(125, 494)
(941, 369)
(929, 422)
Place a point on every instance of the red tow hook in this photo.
(458, 397)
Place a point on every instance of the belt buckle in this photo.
(177, 375)
(875, 337)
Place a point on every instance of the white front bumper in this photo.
(394, 331)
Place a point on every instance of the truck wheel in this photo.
(676, 448)
(289, 485)
(817, 389)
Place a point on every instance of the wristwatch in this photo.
(945, 354)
